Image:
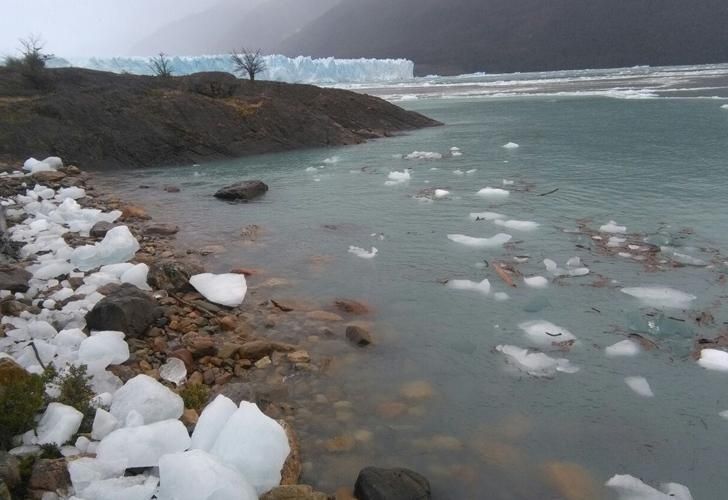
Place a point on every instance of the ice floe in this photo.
(493, 194)
(362, 253)
(441, 193)
(511, 145)
(536, 282)
(640, 386)
(544, 333)
(423, 155)
(613, 227)
(481, 287)
(714, 359)
(518, 225)
(623, 348)
(630, 488)
(537, 364)
(660, 297)
(492, 242)
(225, 289)
(490, 216)
(395, 178)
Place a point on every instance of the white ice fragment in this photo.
(362, 253)
(490, 193)
(249, 429)
(122, 488)
(545, 333)
(519, 225)
(104, 423)
(119, 245)
(82, 443)
(58, 424)
(486, 216)
(211, 422)
(612, 227)
(482, 287)
(137, 276)
(492, 242)
(143, 446)
(661, 297)
(579, 271)
(640, 386)
(458, 172)
(506, 182)
(423, 155)
(623, 348)
(173, 370)
(224, 289)
(102, 349)
(714, 359)
(615, 241)
(501, 296)
(134, 419)
(54, 162)
(537, 364)
(311, 169)
(630, 488)
(197, 475)
(441, 193)
(72, 192)
(398, 178)
(84, 471)
(536, 282)
(511, 145)
(151, 399)
(723, 414)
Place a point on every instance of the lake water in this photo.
(489, 430)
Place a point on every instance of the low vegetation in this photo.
(195, 396)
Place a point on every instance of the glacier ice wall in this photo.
(280, 68)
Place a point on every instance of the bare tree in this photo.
(161, 65)
(32, 61)
(248, 62)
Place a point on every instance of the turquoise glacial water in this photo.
(657, 166)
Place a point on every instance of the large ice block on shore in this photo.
(211, 422)
(119, 245)
(255, 445)
(58, 424)
(224, 289)
(122, 488)
(197, 475)
(151, 399)
(102, 349)
(144, 445)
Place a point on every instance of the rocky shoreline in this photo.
(175, 341)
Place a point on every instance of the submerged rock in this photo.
(242, 191)
(127, 310)
(374, 483)
(358, 335)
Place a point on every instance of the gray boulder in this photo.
(127, 309)
(242, 191)
(100, 229)
(14, 278)
(374, 483)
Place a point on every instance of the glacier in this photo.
(301, 69)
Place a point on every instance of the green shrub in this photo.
(50, 450)
(75, 390)
(195, 396)
(20, 400)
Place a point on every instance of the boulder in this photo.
(172, 189)
(9, 469)
(358, 335)
(100, 229)
(11, 372)
(257, 349)
(172, 276)
(161, 229)
(14, 278)
(294, 492)
(242, 191)
(127, 310)
(49, 475)
(374, 483)
(134, 212)
(49, 176)
(351, 306)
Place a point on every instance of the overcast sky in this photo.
(88, 27)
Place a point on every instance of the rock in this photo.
(4, 491)
(351, 307)
(49, 475)
(391, 484)
(244, 271)
(418, 389)
(323, 316)
(572, 481)
(238, 391)
(127, 310)
(171, 189)
(292, 467)
(185, 356)
(49, 176)
(134, 212)
(172, 276)
(340, 443)
(161, 229)
(11, 372)
(294, 492)
(299, 357)
(264, 362)
(257, 349)
(100, 229)
(358, 335)
(228, 323)
(199, 344)
(14, 278)
(9, 469)
(242, 191)
(190, 417)
(391, 409)
(12, 308)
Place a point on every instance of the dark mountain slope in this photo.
(520, 35)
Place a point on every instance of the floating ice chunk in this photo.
(458, 172)
(249, 429)
(623, 348)
(493, 193)
(224, 289)
(312, 169)
(612, 227)
(211, 422)
(137, 276)
(154, 401)
(398, 177)
(501, 296)
(519, 225)
(423, 155)
(616, 241)
(660, 297)
(471, 171)
(58, 424)
(441, 193)
(332, 160)
(173, 370)
(492, 242)
(723, 414)
(537, 364)
(682, 258)
(84, 471)
(486, 216)
(714, 359)
(121, 488)
(640, 386)
(360, 252)
(631, 488)
(545, 333)
(536, 282)
(119, 245)
(506, 182)
(725, 106)
(104, 423)
(579, 271)
(511, 145)
(102, 349)
(197, 475)
(482, 287)
(143, 446)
